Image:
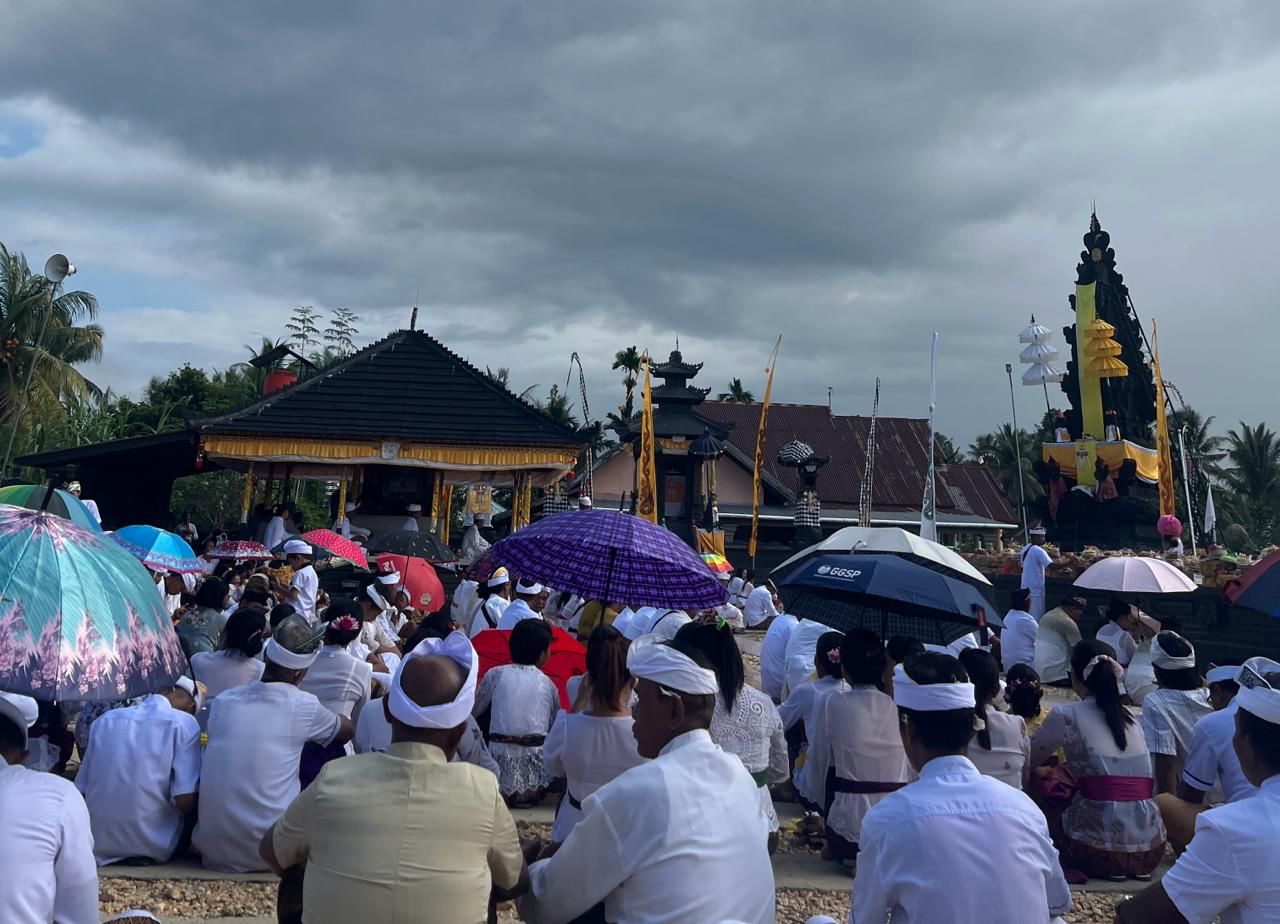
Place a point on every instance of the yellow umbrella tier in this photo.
(1107, 367)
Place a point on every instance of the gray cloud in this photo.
(583, 176)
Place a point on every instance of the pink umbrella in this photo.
(240, 550)
(331, 541)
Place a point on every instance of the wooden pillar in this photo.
(342, 500)
(246, 496)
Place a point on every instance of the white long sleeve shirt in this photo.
(773, 654)
(516, 611)
(759, 607)
(46, 850)
(917, 860)
(679, 838)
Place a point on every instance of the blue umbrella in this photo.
(888, 595)
(80, 619)
(62, 503)
(158, 549)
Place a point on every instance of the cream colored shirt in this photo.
(400, 836)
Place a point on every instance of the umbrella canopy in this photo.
(888, 595)
(567, 657)
(859, 539)
(80, 619)
(717, 563)
(414, 543)
(344, 548)
(1132, 574)
(158, 549)
(63, 504)
(1042, 374)
(607, 555)
(1259, 587)
(426, 593)
(240, 550)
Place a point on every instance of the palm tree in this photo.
(1253, 482)
(945, 451)
(1206, 451)
(558, 407)
(997, 451)
(26, 309)
(628, 361)
(737, 394)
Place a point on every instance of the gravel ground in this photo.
(189, 899)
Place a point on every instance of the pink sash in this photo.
(1116, 788)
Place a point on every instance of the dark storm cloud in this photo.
(854, 175)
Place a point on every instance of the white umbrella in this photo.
(1038, 353)
(1042, 373)
(854, 539)
(1133, 574)
(1036, 333)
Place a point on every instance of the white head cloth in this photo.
(73, 487)
(1038, 531)
(931, 697)
(378, 600)
(390, 578)
(351, 507)
(1222, 674)
(499, 577)
(195, 690)
(297, 547)
(528, 588)
(21, 710)
(1263, 702)
(650, 659)
(1259, 666)
(1160, 658)
(414, 508)
(278, 654)
(445, 715)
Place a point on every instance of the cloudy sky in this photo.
(578, 175)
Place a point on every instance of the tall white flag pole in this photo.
(928, 513)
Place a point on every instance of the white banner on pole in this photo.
(928, 515)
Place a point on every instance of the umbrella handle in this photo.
(608, 576)
(48, 496)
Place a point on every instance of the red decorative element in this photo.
(278, 379)
(568, 658)
(331, 541)
(418, 577)
(1169, 525)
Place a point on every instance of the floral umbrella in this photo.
(158, 549)
(80, 618)
(240, 550)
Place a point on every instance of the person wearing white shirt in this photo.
(690, 802)
(410, 523)
(915, 865)
(343, 526)
(279, 527)
(736, 583)
(1001, 747)
(759, 607)
(773, 655)
(464, 600)
(802, 645)
(1211, 763)
(1169, 715)
(527, 592)
(729, 612)
(236, 662)
(1018, 637)
(1231, 870)
(256, 735)
(494, 598)
(304, 587)
(140, 777)
(1118, 631)
(1034, 562)
(339, 681)
(46, 845)
(802, 705)
(75, 489)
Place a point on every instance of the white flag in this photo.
(928, 516)
(1210, 516)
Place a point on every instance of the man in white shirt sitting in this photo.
(916, 858)
(410, 523)
(527, 595)
(1018, 638)
(679, 838)
(342, 526)
(256, 734)
(305, 585)
(1122, 621)
(1231, 870)
(140, 776)
(773, 655)
(761, 606)
(47, 872)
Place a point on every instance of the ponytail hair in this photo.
(827, 657)
(984, 674)
(607, 664)
(863, 658)
(721, 650)
(1094, 664)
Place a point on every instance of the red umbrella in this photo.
(426, 593)
(343, 548)
(568, 658)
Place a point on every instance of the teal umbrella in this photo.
(80, 618)
(62, 503)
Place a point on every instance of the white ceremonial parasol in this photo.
(894, 541)
(1133, 574)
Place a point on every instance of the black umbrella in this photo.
(414, 543)
(888, 595)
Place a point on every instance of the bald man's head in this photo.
(430, 680)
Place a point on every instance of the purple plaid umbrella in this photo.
(611, 556)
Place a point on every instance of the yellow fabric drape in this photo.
(1113, 454)
(442, 508)
(647, 487)
(246, 496)
(522, 503)
(759, 466)
(342, 501)
(265, 449)
(1168, 500)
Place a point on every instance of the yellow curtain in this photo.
(522, 503)
(265, 449)
(647, 489)
(1113, 454)
(246, 496)
(759, 466)
(1090, 387)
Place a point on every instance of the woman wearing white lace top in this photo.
(593, 744)
(1001, 747)
(855, 747)
(523, 703)
(746, 722)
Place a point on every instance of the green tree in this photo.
(26, 309)
(1253, 482)
(1205, 450)
(999, 451)
(737, 394)
(628, 360)
(303, 329)
(945, 451)
(341, 333)
(558, 407)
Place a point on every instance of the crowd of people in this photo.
(350, 745)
